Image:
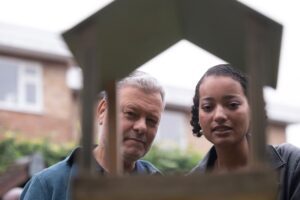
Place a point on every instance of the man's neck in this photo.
(128, 166)
(102, 158)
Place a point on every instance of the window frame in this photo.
(23, 79)
(180, 139)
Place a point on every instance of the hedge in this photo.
(172, 161)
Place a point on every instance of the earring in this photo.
(201, 132)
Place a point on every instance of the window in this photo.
(171, 132)
(20, 85)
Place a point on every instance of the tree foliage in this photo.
(173, 161)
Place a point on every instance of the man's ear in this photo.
(101, 110)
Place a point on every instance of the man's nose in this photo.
(140, 125)
(220, 114)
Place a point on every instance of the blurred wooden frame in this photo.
(126, 34)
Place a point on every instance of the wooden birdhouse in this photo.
(126, 34)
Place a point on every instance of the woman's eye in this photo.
(206, 108)
(233, 105)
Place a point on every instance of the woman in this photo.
(221, 113)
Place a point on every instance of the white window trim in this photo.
(22, 106)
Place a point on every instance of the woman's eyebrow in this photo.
(228, 97)
(207, 98)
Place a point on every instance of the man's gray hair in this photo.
(141, 80)
(144, 81)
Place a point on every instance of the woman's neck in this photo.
(231, 158)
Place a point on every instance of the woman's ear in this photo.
(101, 110)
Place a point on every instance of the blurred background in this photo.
(40, 84)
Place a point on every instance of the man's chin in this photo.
(132, 156)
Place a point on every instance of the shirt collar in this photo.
(208, 161)
(71, 159)
(275, 159)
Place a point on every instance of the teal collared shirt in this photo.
(53, 183)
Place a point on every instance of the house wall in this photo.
(199, 144)
(275, 134)
(59, 119)
(59, 116)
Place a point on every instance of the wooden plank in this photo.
(88, 111)
(258, 185)
(114, 136)
(258, 57)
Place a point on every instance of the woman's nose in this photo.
(220, 114)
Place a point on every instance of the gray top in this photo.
(284, 158)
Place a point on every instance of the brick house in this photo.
(35, 98)
(175, 128)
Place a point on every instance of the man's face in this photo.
(140, 113)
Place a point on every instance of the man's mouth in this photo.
(135, 139)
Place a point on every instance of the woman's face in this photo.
(224, 114)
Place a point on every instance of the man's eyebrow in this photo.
(154, 116)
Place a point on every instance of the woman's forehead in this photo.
(212, 85)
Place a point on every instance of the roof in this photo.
(32, 42)
(281, 109)
(135, 31)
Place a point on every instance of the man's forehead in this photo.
(129, 89)
(135, 94)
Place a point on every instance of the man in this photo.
(141, 101)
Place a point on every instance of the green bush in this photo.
(11, 150)
(170, 162)
(173, 161)
(8, 153)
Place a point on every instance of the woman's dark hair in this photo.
(218, 70)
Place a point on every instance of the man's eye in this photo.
(152, 122)
(130, 114)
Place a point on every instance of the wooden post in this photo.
(114, 136)
(256, 59)
(88, 111)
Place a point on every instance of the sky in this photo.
(60, 15)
